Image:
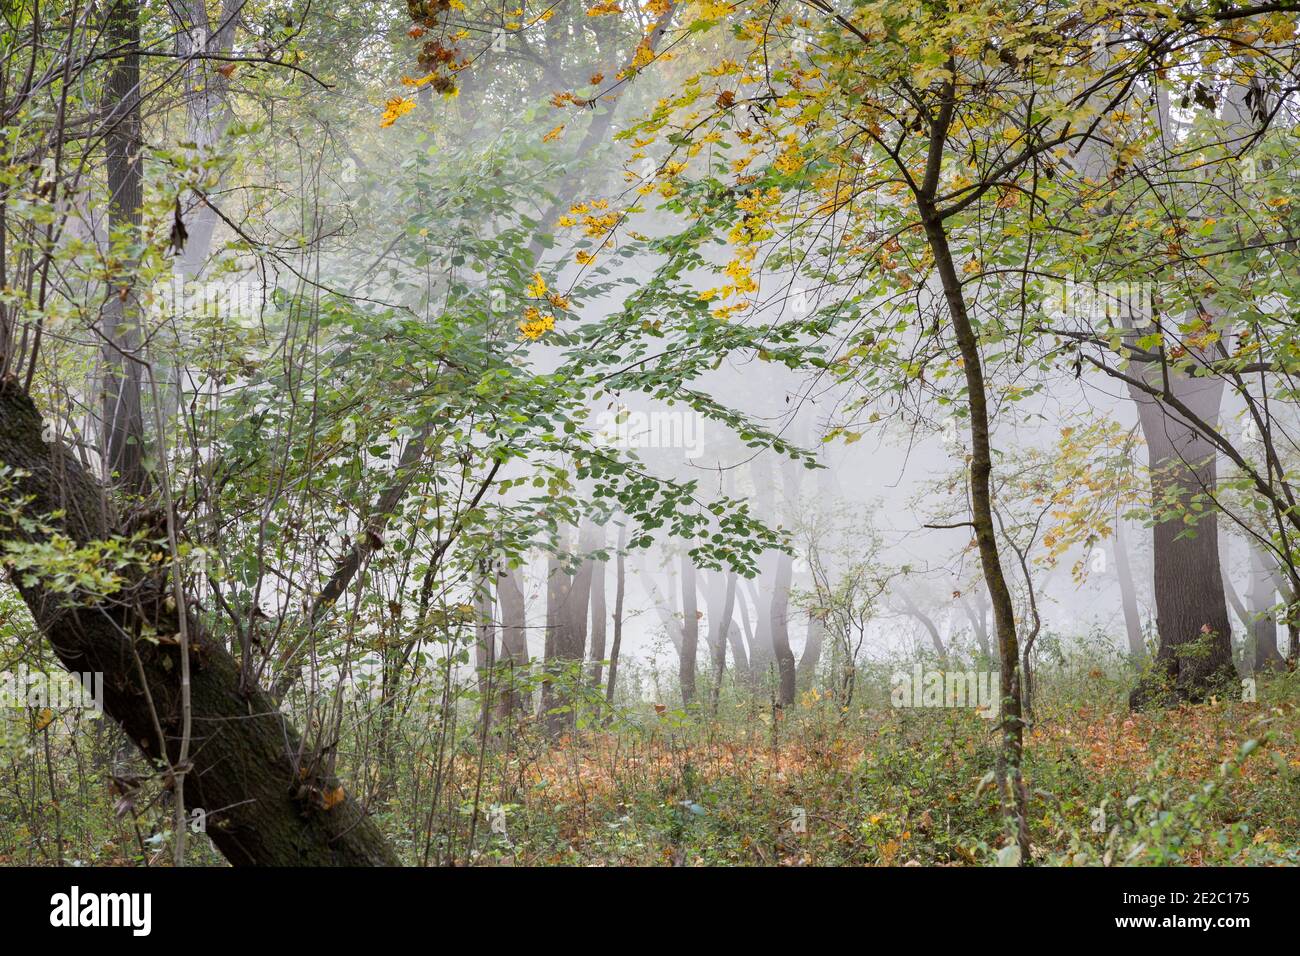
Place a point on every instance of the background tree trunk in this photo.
(514, 640)
(558, 585)
(690, 631)
(1260, 600)
(598, 622)
(806, 673)
(977, 612)
(620, 587)
(780, 618)
(761, 653)
(566, 638)
(1195, 653)
(914, 610)
(1137, 646)
(722, 607)
(739, 658)
(123, 416)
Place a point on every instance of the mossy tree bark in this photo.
(264, 800)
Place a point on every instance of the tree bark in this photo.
(1195, 654)
(780, 618)
(598, 622)
(514, 641)
(620, 587)
(566, 638)
(914, 610)
(123, 414)
(812, 652)
(721, 612)
(1014, 796)
(1260, 600)
(485, 648)
(690, 632)
(266, 802)
(1137, 646)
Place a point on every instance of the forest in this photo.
(709, 433)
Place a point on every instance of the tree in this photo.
(721, 612)
(690, 633)
(258, 530)
(172, 687)
(909, 128)
(282, 809)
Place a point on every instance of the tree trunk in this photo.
(1137, 646)
(514, 640)
(598, 622)
(558, 586)
(740, 660)
(690, 632)
(1014, 796)
(1260, 606)
(209, 115)
(485, 649)
(266, 803)
(620, 587)
(1288, 594)
(780, 617)
(977, 612)
(761, 653)
(123, 416)
(913, 609)
(1195, 655)
(812, 652)
(566, 639)
(720, 629)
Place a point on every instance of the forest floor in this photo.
(813, 785)
(1208, 784)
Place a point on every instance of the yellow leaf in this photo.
(396, 107)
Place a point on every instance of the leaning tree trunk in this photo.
(806, 673)
(914, 610)
(265, 803)
(1195, 655)
(977, 612)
